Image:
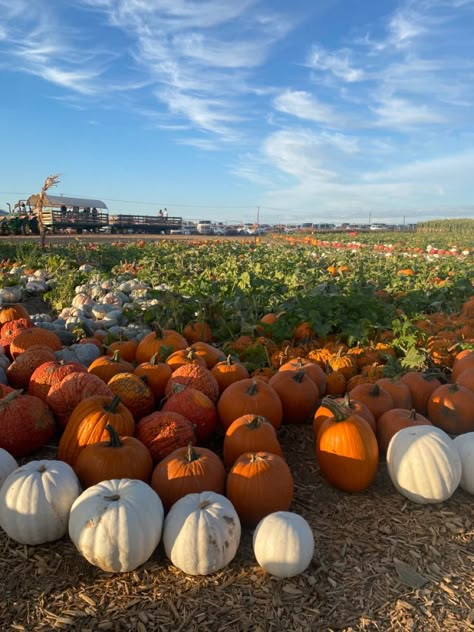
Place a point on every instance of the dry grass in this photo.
(380, 563)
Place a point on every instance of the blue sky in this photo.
(314, 110)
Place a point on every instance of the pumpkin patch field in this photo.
(269, 434)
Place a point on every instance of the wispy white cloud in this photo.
(304, 105)
(338, 63)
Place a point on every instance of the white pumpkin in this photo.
(283, 544)
(424, 464)
(35, 500)
(465, 446)
(116, 525)
(7, 465)
(201, 534)
(84, 353)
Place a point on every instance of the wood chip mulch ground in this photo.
(380, 563)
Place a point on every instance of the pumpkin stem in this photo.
(339, 412)
(114, 439)
(115, 356)
(253, 388)
(347, 400)
(112, 407)
(375, 391)
(229, 360)
(177, 387)
(10, 397)
(114, 497)
(157, 329)
(412, 415)
(154, 359)
(191, 454)
(42, 468)
(299, 376)
(256, 422)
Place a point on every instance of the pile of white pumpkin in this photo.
(117, 524)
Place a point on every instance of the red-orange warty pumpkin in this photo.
(87, 425)
(26, 423)
(22, 368)
(249, 433)
(346, 449)
(134, 394)
(10, 329)
(50, 373)
(26, 338)
(163, 432)
(258, 484)
(249, 397)
(195, 406)
(64, 396)
(197, 377)
(12, 311)
(119, 457)
(188, 470)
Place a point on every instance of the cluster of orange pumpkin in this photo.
(140, 410)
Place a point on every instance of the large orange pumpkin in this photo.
(298, 394)
(87, 424)
(312, 370)
(451, 408)
(258, 484)
(184, 356)
(210, 354)
(394, 420)
(249, 433)
(156, 374)
(22, 368)
(421, 387)
(351, 405)
(119, 457)
(346, 450)
(249, 397)
(197, 331)
(160, 341)
(195, 406)
(26, 338)
(188, 470)
(106, 367)
(399, 391)
(376, 398)
(50, 373)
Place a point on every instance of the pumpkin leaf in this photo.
(408, 575)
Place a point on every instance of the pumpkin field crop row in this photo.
(222, 402)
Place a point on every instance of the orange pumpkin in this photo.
(195, 406)
(335, 383)
(210, 354)
(351, 405)
(197, 331)
(195, 376)
(26, 338)
(421, 387)
(160, 341)
(188, 470)
(106, 367)
(156, 374)
(462, 362)
(249, 433)
(451, 408)
(466, 379)
(376, 398)
(87, 425)
(127, 348)
(346, 450)
(22, 368)
(249, 397)
(12, 311)
(298, 395)
(119, 457)
(229, 371)
(312, 370)
(259, 483)
(399, 391)
(184, 356)
(162, 432)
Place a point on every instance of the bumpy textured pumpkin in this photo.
(64, 396)
(249, 397)
(346, 449)
(464, 444)
(197, 377)
(195, 406)
(116, 524)
(163, 432)
(7, 465)
(249, 433)
(9, 330)
(283, 544)
(201, 533)
(119, 457)
(87, 425)
(298, 394)
(50, 373)
(26, 423)
(423, 464)
(258, 484)
(22, 368)
(35, 500)
(134, 394)
(26, 338)
(187, 471)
